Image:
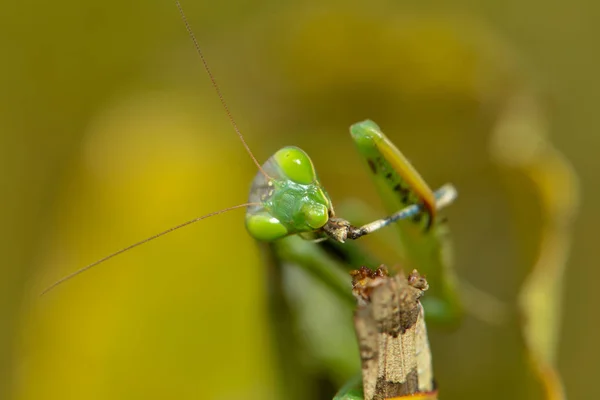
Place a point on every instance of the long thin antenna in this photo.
(131, 246)
(217, 89)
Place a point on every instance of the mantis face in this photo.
(289, 197)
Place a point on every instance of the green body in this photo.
(290, 201)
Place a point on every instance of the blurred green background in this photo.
(110, 132)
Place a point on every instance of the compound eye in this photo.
(264, 227)
(296, 165)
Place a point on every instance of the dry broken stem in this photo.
(392, 337)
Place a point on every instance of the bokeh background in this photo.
(110, 132)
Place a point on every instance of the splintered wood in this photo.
(392, 337)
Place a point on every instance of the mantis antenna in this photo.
(141, 242)
(237, 131)
(217, 88)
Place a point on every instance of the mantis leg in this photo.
(424, 240)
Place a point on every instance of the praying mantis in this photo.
(287, 201)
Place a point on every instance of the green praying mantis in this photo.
(290, 210)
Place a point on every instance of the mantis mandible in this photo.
(287, 201)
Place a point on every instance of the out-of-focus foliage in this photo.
(109, 132)
(520, 142)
